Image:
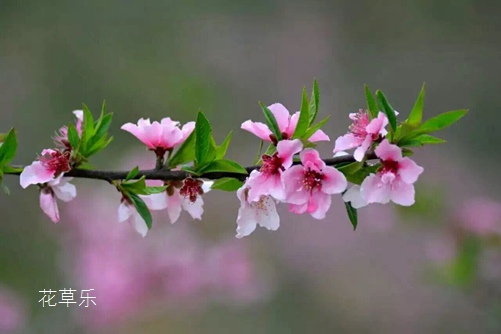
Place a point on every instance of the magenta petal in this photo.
(333, 182)
(35, 174)
(408, 170)
(373, 190)
(138, 133)
(319, 135)
(282, 116)
(387, 151)
(258, 129)
(48, 205)
(347, 142)
(403, 194)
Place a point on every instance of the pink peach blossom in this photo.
(394, 181)
(268, 180)
(12, 312)
(362, 133)
(50, 165)
(286, 123)
(309, 187)
(160, 137)
(262, 212)
(481, 216)
(60, 188)
(61, 137)
(175, 200)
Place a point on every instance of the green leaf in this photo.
(221, 150)
(185, 153)
(132, 173)
(314, 102)
(352, 214)
(135, 186)
(155, 190)
(416, 114)
(258, 154)
(387, 109)
(87, 126)
(436, 123)
(304, 117)
(203, 137)
(223, 165)
(190, 169)
(103, 125)
(314, 128)
(142, 209)
(73, 136)
(6, 189)
(407, 152)
(350, 168)
(98, 146)
(420, 141)
(371, 103)
(8, 148)
(227, 184)
(271, 121)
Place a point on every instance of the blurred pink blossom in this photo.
(12, 317)
(480, 216)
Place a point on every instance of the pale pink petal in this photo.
(195, 209)
(311, 158)
(170, 137)
(264, 184)
(377, 125)
(319, 135)
(373, 190)
(286, 150)
(138, 223)
(387, 151)
(276, 189)
(298, 209)
(333, 182)
(347, 142)
(292, 180)
(360, 151)
(408, 170)
(139, 133)
(323, 204)
(154, 135)
(292, 124)
(257, 128)
(282, 116)
(354, 197)
(207, 185)
(340, 154)
(267, 215)
(402, 193)
(65, 191)
(35, 174)
(48, 205)
(174, 206)
(186, 130)
(123, 212)
(155, 201)
(246, 221)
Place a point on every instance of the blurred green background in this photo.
(170, 58)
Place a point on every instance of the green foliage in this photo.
(304, 117)
(385, 106)
(371, 103)
(132, 173)
(222, 165)
(185, 153)
(203, 137)
(314, 102)
(352, 214)
(314, 128)
(227, 184)
(94, 137)
(142, 209)
(271, 121)
(8, 151)
(416, 114)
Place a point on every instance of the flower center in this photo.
(191, 188)
(389, 171)
(312, 180)
(360, 123)
(271, 164)
(56, 161)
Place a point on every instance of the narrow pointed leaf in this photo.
(221, 150)
(9, 148)
(304, 117)
(314, 128)
(271, 121)
(132, 173)
(142, 209)
(352, 214)
(314, 102)
(371, 103)
(227, 184)
(203, 137)
(416, 114)
(224, 165)
(387, 109)
(185, 153)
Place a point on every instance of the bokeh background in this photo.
(433, 268)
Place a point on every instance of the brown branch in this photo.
(175, 175)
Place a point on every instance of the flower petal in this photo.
(174, 206)
(48, 205)
(246, 221)
(286, 150)
(123, 212)
(65, 191)
(408, 170)
(195, 209)
(333, 182)
(322, 202)
(354, 197)
(267, 215)
(347, 142)
(387, 151)
(373, 190)
(282, 116)
(258, 129)
(155, 201)
(319, 135)
(35, 174)
(403, 194)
